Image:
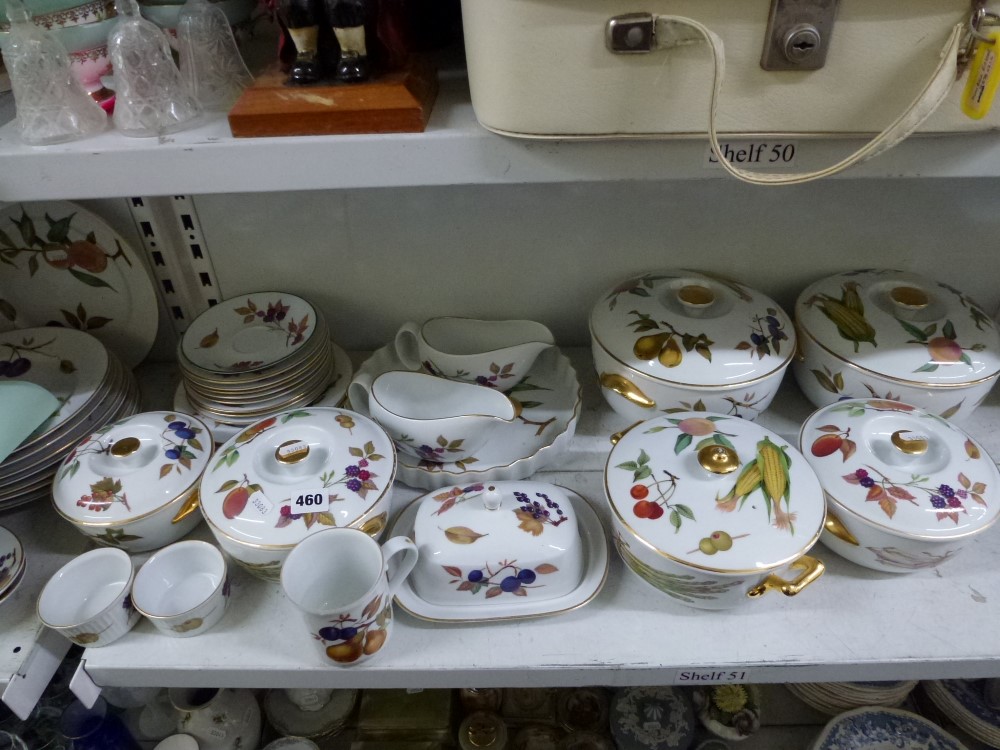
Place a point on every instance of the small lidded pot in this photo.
(293, 474)
(133, 484)
(687, 341)
(713, 510)
(905, 489)
(897, 336)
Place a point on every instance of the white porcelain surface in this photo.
(339, 580)
(594, 553)
(87, 600)
(481, 545)
(224, 719)
(895, 335)
(183, 589)
(178, 742)
(87, 278)
(681, 340)
(258, 492)
(707, 538)
(435, 419)
(551, 401)
(494, 353)
(12, 563)
(908, 504)
(128, 471)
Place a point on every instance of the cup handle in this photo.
(393, 547)
(359, 393)
(408, 346)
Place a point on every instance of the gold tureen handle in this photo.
(811, 570)
(190, 506)
(627, 390)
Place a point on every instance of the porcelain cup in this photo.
(338, 579)
(88, 599)
(494, 353)
(183, 589)
(432, 418)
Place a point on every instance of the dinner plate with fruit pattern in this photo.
(62, 266)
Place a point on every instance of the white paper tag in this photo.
(259, 502)
(779, 154)
(291, 448)
(711, 676)
(310, 500)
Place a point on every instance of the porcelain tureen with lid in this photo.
(688, 341)
(292, 474)
(133, 484)
(893, 335)
(905, 489)
(712, 509)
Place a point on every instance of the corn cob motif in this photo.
(768, 472)
(847, 314)
(748, 481)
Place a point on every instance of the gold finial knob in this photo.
(718, 459)
(910, 296)
(291, 452)
(910, 443)
(125, 447)
(696, 295)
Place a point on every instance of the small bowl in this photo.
(48, 16)
(87, 600)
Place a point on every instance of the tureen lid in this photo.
(132, 467)
(693, 329)
(714, 492)
(901, 468)
(292, 474)
(902, 326)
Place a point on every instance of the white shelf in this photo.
(854, 624)
(454, 150)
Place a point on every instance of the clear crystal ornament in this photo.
(210, 62)
(51, 105)
(151, 97)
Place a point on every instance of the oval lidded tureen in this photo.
(689, 341)
(133, 484)
(293, 474)
(905, 489)
(895, 335)
(712, 509)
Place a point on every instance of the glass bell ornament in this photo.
(51, 105)
(152, 99)
(210, 62)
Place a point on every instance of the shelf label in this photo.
(778, 154)
(260, 503)
(711, 676)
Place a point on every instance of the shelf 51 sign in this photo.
(710, 676)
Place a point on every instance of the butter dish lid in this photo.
(902, 326)
(714, 492)
(901, 468)
(295, 473)
(132, 467)
(693, 329)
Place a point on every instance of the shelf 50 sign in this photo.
(774, 154)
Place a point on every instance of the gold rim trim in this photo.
(910, 297)
(182, 498)
(804, 334)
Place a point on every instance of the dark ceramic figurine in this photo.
(316, 28)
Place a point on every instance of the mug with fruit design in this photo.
(338, 579)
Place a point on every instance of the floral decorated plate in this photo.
(550, 399)
(62, 266)
(883, 729)
(249, 333)
(12, 565)
(508, 605)
(652, 718)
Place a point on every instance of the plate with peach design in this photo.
(62, 266)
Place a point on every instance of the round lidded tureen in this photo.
(688, 341)
(894, 335)
(905, 489)
(711, 509)
(133, 484)
(293, 474)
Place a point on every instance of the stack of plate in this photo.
(256, 355)
(966, 704)
(92, 386)
(832, 698)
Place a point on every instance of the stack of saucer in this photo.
(92, 387)
(968, 704)
(253, 356)
(832, 698)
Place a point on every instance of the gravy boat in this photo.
(494, 353)
(432, 418)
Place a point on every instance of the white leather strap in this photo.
(676, 30)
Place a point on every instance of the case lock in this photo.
(631, 33)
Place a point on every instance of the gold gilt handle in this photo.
(836, 527)
(811, 570)
(190, 506)
(627, 390)
(616, 436)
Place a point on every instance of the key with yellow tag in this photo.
(984, 77)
